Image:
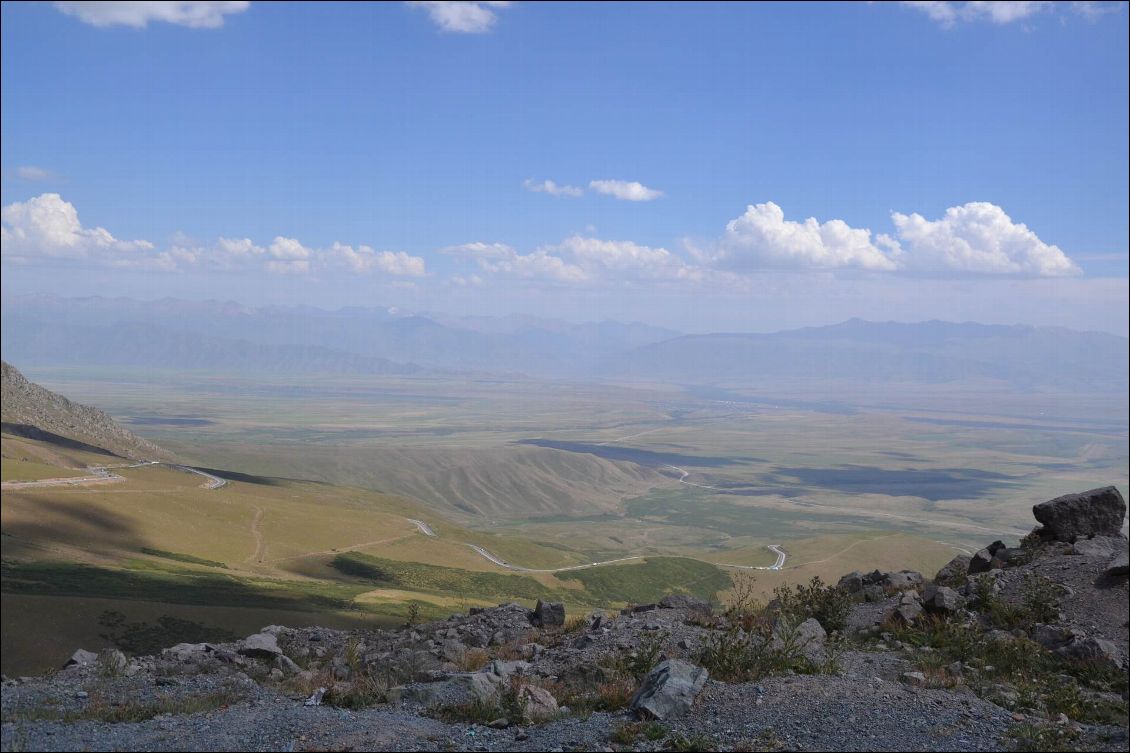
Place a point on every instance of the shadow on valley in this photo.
(933, 484)
(90, 527)
(34, 432)
(649, 458)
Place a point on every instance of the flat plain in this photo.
(684, 487)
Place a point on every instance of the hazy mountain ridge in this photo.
(227, 336)
(26, 404)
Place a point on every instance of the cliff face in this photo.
(30, 410)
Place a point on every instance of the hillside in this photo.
(37, 413)
(1013, 648)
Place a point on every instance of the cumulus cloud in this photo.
(47, 228)
(978, 238)
(623, 259)
(462, 17)
(579, 259)
(763, 238)
(33, 173)
(365, 259)
(626, 190)
(504, 260)
(551, 188)
(973, 239)
(191, 13)
(948, 14)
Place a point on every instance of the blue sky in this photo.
(222, 150)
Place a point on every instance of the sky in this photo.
(699, 166)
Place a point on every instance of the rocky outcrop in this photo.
(548, 614)
(985, 559)
(1097, 512)
(941, 600)
(954, 572)
(261, 646)
(669, 691)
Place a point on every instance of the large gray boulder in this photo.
(1093, 650)
(1097, 512)
(1100, 547)
(985, 560)
(548, 614)
(807, 639)
(260, 646)
(81, 657)
(669, 691)
(537, 704)
(1120, 565)
(457, 690)
(941, 600)
(909, 609)
(954, 572)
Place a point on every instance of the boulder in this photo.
(807, 638)
(504, 668)
(286, 665)
(982, 561)
(81, 657)
(548, 614)
(1118, 566)
(917, 679)
(1093, 650)
(941, 600)
(260, 646)
(901, 580)
(909, 609)
(1097, 512)
(669, 691)
(682, 601)
(1053, 637)
(851, 583)
(457, 690)
(1099, 547)
(537, 704)
(955, 572)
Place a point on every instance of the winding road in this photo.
(103, 474)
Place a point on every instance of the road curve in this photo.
(424, 527)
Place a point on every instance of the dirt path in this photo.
(256, 533)
(111, 478)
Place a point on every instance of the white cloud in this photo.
(196, 15)
(500, 259)
(978, 238)
(462, 17)
(623, 259)
(551, 188)
(365, 259)
(762, 238)
(47, 226)
(626, 190)
(33, 173)
(1003, 12)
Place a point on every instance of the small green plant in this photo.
(413, 614)
(111, 663)
(627, 733)
(829, 605)
(734, 655)
(1042, 736)
(1041, 598)
(692, 743)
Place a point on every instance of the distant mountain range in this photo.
(32, 411)
(45, 331)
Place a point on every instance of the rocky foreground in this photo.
(1013, 648)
